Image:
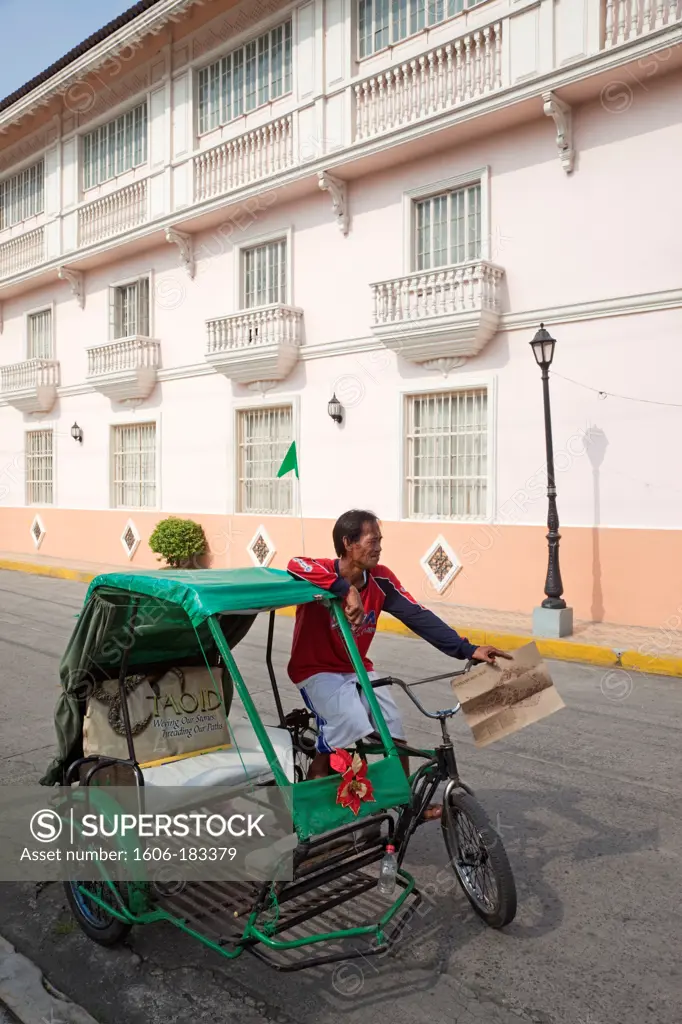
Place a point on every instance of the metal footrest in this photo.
(334, 889)
(217, 910)
(349, 902)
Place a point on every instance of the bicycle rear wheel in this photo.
(478, 858)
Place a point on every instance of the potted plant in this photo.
(180, 541)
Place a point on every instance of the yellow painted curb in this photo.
(555, 650)
(558, 650)
(54, 571)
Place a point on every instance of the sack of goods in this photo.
(172, 715)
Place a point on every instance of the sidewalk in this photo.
(28, 995)
(636, 648)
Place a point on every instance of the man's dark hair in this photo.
(350, 525)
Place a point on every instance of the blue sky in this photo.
(36, 33)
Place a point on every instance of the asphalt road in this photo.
(588, 805)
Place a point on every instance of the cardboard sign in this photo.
(498, 700)
(171, 716)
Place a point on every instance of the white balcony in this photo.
(113, 214)
(258, 154)
(437, 81)
(30, 386)
(629, 19)
(439, 318)
(125, 370)
(257, 347)
(22, 253)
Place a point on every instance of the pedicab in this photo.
(137, 625)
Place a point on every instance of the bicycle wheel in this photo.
(478, 859)
(97, 923)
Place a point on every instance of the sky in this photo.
(36, 33)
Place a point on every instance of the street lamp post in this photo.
(552, 618)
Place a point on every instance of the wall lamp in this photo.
(335, 409)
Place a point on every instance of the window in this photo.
(264, 437)
(382, 22)
(115, 147)
(22, 196)
(447, 455)
(134, 468)
(448, 228)
(255, 74)
(264, 269)
(39, 335)
(39, 467)
(129, 311)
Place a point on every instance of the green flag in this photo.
(289, 462)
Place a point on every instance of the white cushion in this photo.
(244, 761)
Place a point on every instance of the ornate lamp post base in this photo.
(552, 623)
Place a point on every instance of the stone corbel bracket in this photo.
(77, 282)
(562, 115)
(444, 365)
(339, 192)
(184, 244)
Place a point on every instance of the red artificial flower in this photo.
(355, 788)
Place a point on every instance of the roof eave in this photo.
(149, 22)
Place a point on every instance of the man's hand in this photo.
(489, 654)
(354, 608)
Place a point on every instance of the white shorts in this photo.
(342, 714)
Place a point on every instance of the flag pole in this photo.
(300, 512)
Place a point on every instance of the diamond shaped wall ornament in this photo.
(38, 532)
(130, 538)
(441, 564)
(261, 548)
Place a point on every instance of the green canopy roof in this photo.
(202, 593)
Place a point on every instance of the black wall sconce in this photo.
(335, 409)
(77, 433)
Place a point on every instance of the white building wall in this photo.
(561, 241)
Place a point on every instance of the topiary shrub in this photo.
(179, 541)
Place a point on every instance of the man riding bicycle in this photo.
(319, 664)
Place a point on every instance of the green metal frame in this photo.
(252, 932)
(306, 799)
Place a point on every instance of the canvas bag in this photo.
(498, 700)
(171, 715)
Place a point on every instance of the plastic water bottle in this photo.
(388, 872)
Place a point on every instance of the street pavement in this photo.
(587, 802)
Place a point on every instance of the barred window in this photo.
(115, 147)
(447, 455)
(40, 335)
(382, 22)
(247, 78)
(448, 228)
(22, 196)
(129, 309)
(264, 435)
(134, 466)
(39, 468)
(264, 269)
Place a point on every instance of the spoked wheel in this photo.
(97, 923)
(478, 859)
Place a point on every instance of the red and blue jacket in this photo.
(318, 645)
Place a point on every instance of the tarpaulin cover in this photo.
(170, 629)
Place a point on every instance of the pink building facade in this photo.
(218, 216)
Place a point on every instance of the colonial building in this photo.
(215, 216)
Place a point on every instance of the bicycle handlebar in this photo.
(406, 687)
